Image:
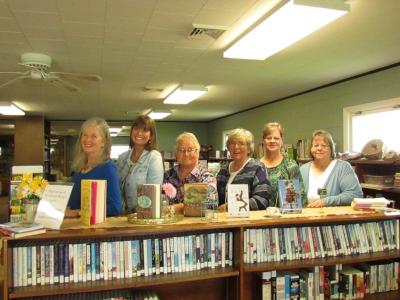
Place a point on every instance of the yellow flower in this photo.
(31, 187)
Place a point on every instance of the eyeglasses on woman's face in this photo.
(187, 150)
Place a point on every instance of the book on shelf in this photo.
(370, 203)
(290, 199)
(51, 208)
(194, 195)
(21, 229)
(238, 200)
(149, 201)
(17, 209)
(93, 201)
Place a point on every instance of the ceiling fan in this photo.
(38, 66)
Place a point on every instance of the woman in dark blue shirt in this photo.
(92, 161)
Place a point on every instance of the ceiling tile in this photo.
(117, 25)
(9, 24)
(85, 11)
(180, 6)
(217, 17)
(83, 29)
(130, 8)
(33, 5)
(154, 34)
(179, 22)
(11, 37)
(84, 43)
(5, 12)
(50, 47)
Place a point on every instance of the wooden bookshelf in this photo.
(378, 168)
(239, 281)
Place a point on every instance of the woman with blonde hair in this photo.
(244, 170)
(279, 166)
(327, 180)
(92, 161)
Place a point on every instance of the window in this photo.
(117, 150)
(378, 120)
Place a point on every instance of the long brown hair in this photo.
(148, 124)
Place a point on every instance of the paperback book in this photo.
(21, 229)
(149, 201)
(290, 196)
(93, 201)
(195, 194)
(238, 200)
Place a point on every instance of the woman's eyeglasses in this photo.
(187, 150)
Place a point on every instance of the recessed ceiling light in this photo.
(158, 115)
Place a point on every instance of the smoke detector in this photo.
(204, 31)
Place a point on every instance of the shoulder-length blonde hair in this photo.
(148, 124)
(80, 158)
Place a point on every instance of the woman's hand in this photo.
(316, 204)
(72, 213)
(222, 208)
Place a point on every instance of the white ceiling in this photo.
(141, 50)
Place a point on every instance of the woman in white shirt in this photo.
(328, 181)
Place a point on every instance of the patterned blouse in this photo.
(198, 175)
(287, 169)
(255, 176)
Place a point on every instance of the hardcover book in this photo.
(93, 201)
(195, 194)
(149, 201)
(238, 200)
(290, 195)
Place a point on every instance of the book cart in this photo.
(240, 280)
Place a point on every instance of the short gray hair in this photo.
(241, 135)
(189, 136)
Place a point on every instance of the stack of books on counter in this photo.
(21, 229)
(370, 203)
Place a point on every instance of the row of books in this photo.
(106, 295)
(331, 282)
(307, 242)
(107, 260)
(303, 149)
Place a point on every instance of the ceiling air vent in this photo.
(202, 31)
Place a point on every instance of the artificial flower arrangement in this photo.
(168, 196)
(31, 187)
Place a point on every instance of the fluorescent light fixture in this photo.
(291, 22)
(112, 134)
(9, 109)
(115, 129)
(158, 115)
(185, 94)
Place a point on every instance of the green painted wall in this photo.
(167, 132)
(321, 109)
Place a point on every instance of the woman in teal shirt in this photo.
(141, 164)
(278, 165)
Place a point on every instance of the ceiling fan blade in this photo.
(64, 83)
(20, 73)
(14, 80)
(90, 77)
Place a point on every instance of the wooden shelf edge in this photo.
(392, 295)
(328, 261)
(374, 162)
(115, 284)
